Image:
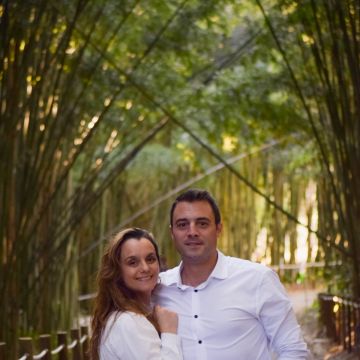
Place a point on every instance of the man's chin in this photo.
(194, 258)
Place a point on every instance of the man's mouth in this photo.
(193, 243)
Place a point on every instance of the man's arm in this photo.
(278, 319)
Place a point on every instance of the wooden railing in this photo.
(341, 319)
(2, 351)
(76, 350)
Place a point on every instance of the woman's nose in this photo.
(144, 266)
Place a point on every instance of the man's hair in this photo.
(193, 195)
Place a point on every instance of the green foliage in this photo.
(108, 106)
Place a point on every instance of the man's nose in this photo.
(193, 231)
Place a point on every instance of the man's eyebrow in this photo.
(203, 218)
(182, 219)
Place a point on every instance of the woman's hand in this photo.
(167, 320)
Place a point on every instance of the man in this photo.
(228, 308)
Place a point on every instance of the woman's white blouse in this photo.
(131, 336)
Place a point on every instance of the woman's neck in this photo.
(145, 301)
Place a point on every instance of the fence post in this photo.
(327, 316)
(348, 330)
(62, 340)
(343, 324)
(25, 347)
(357, 326)
(45, 343)
(84, 330)
(76, 350)
(2, 351)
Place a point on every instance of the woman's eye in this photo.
(151, 259)
(132, 263)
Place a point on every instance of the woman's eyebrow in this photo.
(131, 257)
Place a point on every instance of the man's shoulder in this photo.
(238, 264)
(170, 276)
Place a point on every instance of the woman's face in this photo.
(139, 267)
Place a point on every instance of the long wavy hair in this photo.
(112, 293)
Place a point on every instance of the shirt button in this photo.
(196, 290)
(195, 316)
(200, 342)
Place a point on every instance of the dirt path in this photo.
(302, 298)
(321, 347)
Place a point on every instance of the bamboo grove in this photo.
(109, 108)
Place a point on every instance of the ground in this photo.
(321, 347)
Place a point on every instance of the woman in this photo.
(124, 325)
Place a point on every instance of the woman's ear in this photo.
(219, 229)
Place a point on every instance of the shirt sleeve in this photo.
(279, 320)
(132, 337)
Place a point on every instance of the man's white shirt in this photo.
(240, 312)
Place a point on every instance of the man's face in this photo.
(194, 231)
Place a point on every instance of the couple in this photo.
(209, 307)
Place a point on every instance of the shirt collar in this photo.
(220, 272)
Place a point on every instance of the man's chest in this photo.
(211, 310)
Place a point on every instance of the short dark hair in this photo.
(193, 195)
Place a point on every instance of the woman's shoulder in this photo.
(121, 323)
(121, 332)
(120, 317)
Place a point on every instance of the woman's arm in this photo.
(131, 336)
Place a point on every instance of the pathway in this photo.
(321, 347)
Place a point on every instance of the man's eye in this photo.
(203, 224)
(181, 225)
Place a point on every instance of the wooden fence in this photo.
(341, 318)
(76, 350)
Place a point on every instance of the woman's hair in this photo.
(112, 293)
